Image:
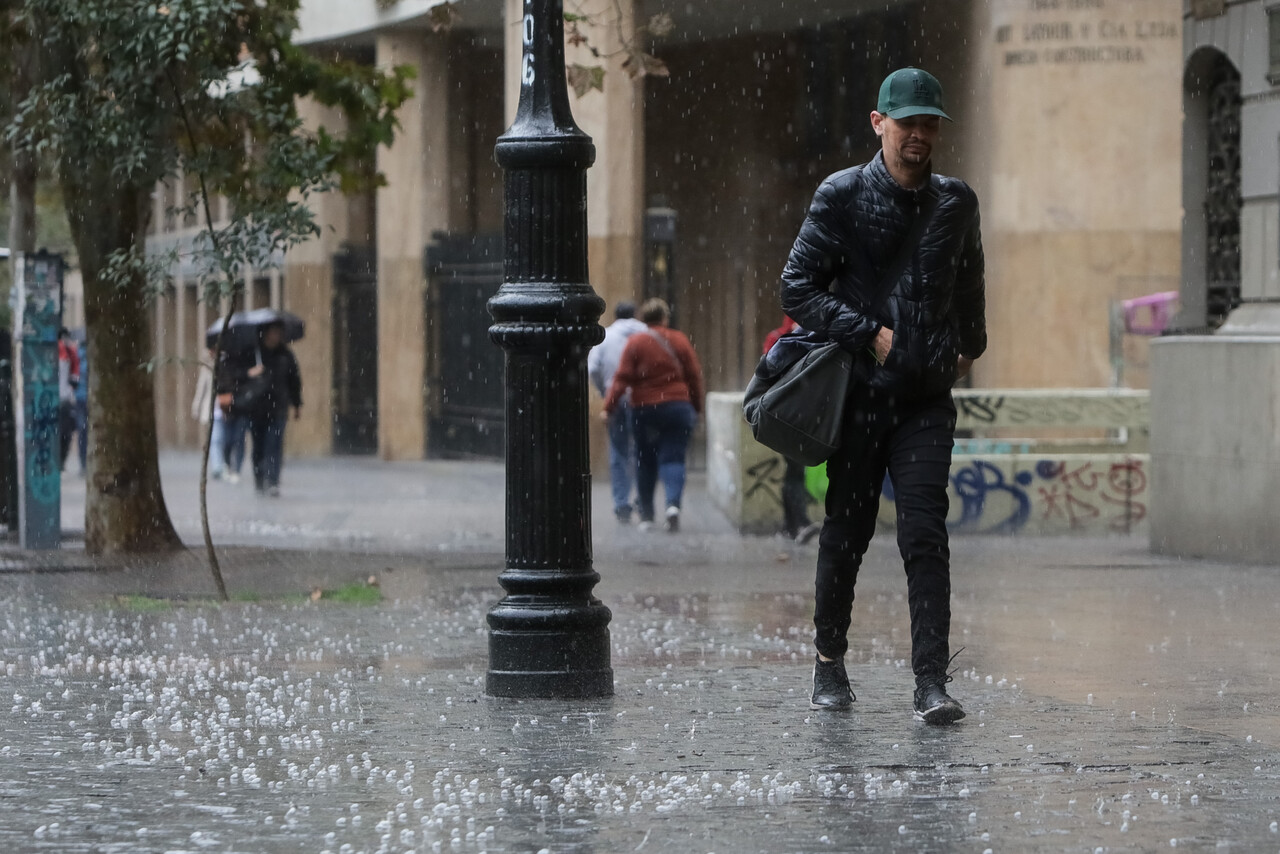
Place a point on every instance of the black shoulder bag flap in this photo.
(795, 401)
(250, 396)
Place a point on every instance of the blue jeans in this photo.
(662, 438)
(218, 447)
(622, 462)
(233, 441)
(268, 448)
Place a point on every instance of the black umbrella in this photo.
(246, 325)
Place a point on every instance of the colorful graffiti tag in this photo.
(1102, 494)
(1086, 495)
(1012, 495)
(1088, 486)
(979, 485)
(36, 298)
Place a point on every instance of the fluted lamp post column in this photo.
(549, 635)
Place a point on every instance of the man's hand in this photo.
(883, 344)
(963, 365)
(604, 416)
(256, 370)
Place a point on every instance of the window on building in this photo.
(1202, 9)
(1222, 203)
(1273, 41)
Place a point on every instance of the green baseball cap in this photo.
(911, 92)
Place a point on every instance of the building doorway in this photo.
(465, 392)
(1212, 197)
(1223, 194)
(355, 352)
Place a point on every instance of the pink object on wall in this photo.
(1151, 314)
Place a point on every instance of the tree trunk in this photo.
(124, 506)
(22, 204)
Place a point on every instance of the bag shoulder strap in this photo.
(666, 345)
(924, 215)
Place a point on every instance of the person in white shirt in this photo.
(602, 364)
(201, 405)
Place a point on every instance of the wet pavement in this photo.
(1117, 701)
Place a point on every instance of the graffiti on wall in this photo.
(1087, 495)
(977, 486)
(983, 411)
(36, 296)
(764, 481)
(996, 485)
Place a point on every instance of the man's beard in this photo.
(917, 156)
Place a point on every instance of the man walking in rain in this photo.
(889, 264)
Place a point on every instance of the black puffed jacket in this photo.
(853, 232)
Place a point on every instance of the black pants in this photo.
(267, 430)
(66, 429)
(911, 440)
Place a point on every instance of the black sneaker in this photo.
(934, 706)
(830, 685)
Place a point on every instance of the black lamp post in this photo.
(549, 636)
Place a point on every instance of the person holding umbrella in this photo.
(282, 381)
(258, 383)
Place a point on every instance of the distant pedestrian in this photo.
(235, 429)
(230, 372)
(68, 380)
(602, 364)
(200, 411)
(82, 408)
(660, 369)
(889, 264)
(283, 390)
(795, 494)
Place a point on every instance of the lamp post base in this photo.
(553, 650)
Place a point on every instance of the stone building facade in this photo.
(1215, 392)
(1068, 126)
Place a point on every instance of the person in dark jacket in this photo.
(268, 420)
(795, 494)
(909, 350)
(231, 371)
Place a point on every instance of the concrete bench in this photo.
(1033, 485)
